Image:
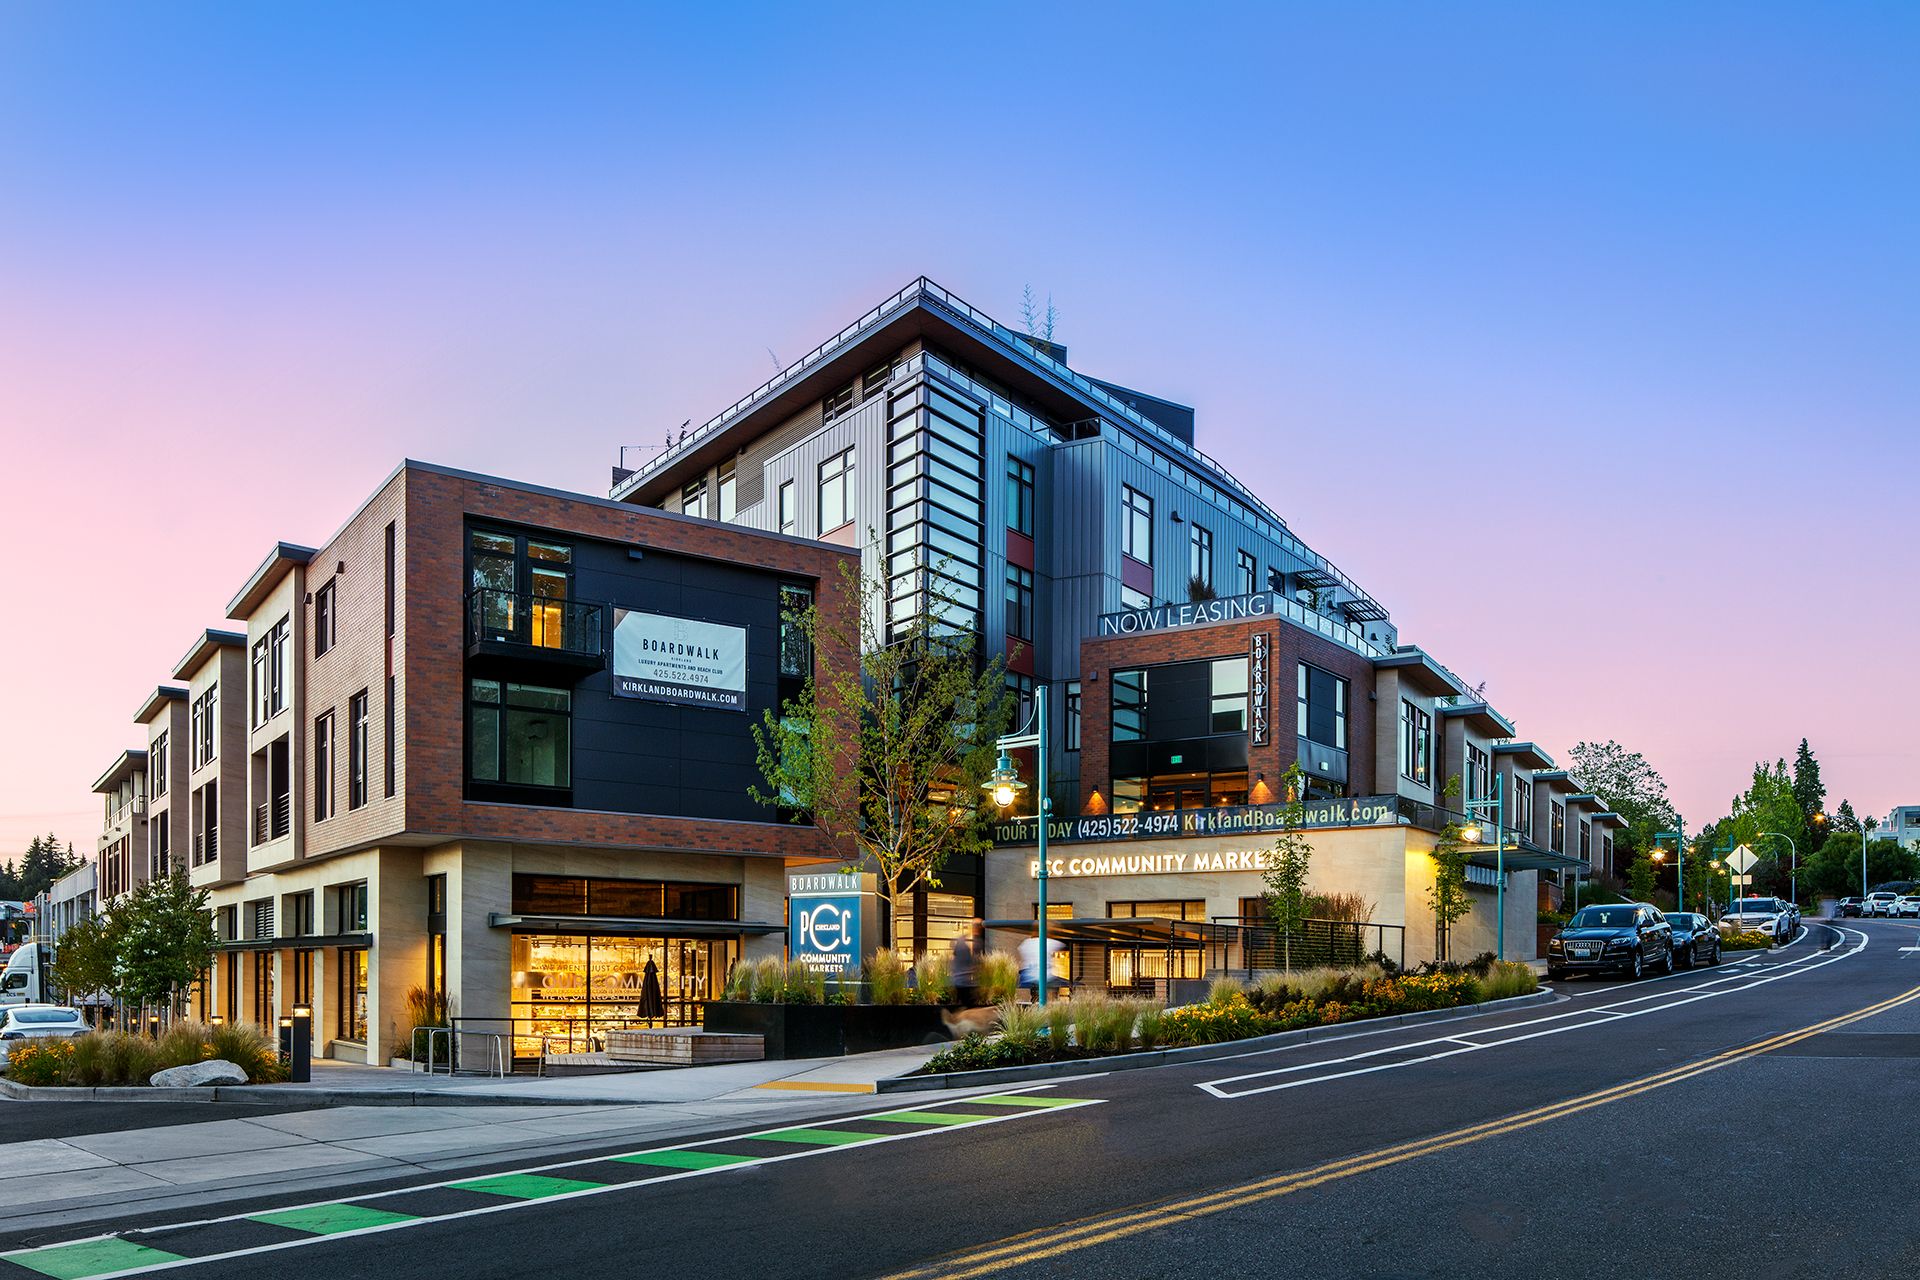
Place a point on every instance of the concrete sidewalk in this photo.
(91, 1177)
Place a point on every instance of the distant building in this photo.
(1903, 824)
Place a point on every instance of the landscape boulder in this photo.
(195, 1074)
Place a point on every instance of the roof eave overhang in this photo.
(122, 765)
(1528, 755)
(208, 642)
(283, 559)
(1421, 671)
(159, 698)
(1481, 718)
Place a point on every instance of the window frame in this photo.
(1136, 525)
(1020, 496)
(326, 747)
(359, 740)
(326, 614)
(1019, 603)
(786, 510)
(1249, 567)
(841, 476)
(1416, 743)
(1200, 554)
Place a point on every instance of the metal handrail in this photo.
(540, 622)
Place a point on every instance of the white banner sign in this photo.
(665, 659)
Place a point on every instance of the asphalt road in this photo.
(1707, 1124)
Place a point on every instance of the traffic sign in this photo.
(1742, 859)
(1740, 880)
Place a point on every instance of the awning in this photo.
(631, 926)
(1125, 931)
(305, 942)
(1525, 856)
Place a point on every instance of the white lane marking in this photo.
(1570, 1020)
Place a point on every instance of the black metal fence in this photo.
(1316, 943)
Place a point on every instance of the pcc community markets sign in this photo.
(1152, 864)
(666, 659)
(830, 916)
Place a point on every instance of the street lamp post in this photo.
(1004, 785)
(1497, 804)
(1679, 839)
(1794, 874)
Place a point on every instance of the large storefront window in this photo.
(949, 916)
(569, 990)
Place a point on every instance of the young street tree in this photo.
(165, 941)
(83, 965)
(1448, 894)
(890, 752)
(1288, 903)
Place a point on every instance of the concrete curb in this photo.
(1200, 1052)
(277, 1095)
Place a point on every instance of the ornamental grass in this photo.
(997, 977)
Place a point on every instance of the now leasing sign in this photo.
(667, 659)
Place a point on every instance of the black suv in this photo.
(1622, 937)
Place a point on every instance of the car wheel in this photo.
(1637, 968)
(1666, 961)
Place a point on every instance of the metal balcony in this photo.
(519, 628)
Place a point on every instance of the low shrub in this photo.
(933, 978)
(739, 982)
(886, 977)
(1233, 1019)
(1746, 940)
(1224, 989)
(248, 1048)
(123, 1058)
(1150, 1029)
(769, 978)
(1020, 1024)
(997, 975)
(1057, 1017)
(40, 1062)
(803, 984)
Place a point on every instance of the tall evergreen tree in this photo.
(1808, 790)
(1846, 819)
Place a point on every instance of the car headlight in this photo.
(1621, 943)
(1555, 944)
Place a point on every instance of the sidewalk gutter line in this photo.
(1204, 1052)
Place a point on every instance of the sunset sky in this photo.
(1587, 340)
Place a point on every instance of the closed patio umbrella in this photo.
(652, 1004)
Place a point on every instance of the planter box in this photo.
(682, 1046)
(831, 1030)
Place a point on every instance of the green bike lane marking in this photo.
(244, 1234)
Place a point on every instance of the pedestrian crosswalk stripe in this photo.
(326, 1219)
(86, 1258)
(818, 1137)
(525, 1186)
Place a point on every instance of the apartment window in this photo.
(1021, 687)
(1586, 842)
(1019, 496)
(352, 1024)
(796, 651)
(1249, 572)
(836, 491)
(160, 846)
(392, 568)
(875, 381)
(324, 615)
(357, 750)
(1137, 530)
(519, 734)
(837, 404)
(729, 491)
(157, 764)
(1073, 715)
(1019, 603)
(300, 915)
(390, 758)
(1129, 706)
(1229, 695)
(1322, 713)
(693, 498)
(789, 517)
(350, 907)
(204, 716)
(1521, 806)
(1200, 556)
(270, 673)
(1606, 852)
(1557, 827)
(323, 751)
(1416, 743)
(1479, 779)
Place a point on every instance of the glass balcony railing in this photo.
(523, 624)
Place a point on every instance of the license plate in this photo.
(1580, 951)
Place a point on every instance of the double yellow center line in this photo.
(1051, 1242)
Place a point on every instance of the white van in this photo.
(26, 979)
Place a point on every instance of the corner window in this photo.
(324, 613)
(1019, 496)
(836, 491)
(1416, 743)
(519, 734)
(1136, 533)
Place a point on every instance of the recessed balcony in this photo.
(520, 628)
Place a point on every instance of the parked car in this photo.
(1624, 937)
(1849, 907)
(1760, 915)
(1695, 940)
(24, 1022)
(1907, 906)
(1880, 902)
